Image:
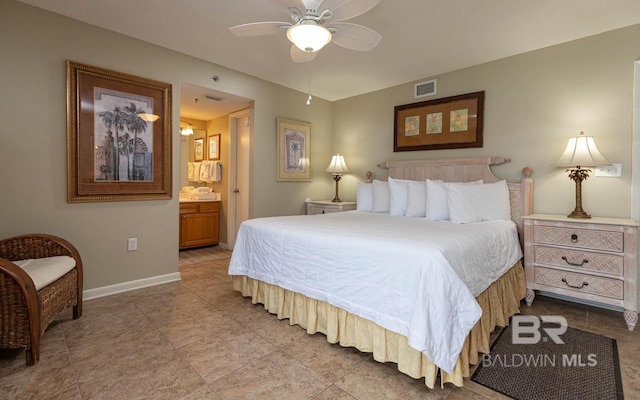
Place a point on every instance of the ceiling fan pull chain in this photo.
(308, 80)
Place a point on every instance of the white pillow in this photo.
(475, 203)
(437, 207)
(364, 197)
(416, 199)
(398, 193)
(380, 196)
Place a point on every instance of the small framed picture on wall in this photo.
(198, 145)
(214, 147)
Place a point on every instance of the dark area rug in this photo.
(585, 367)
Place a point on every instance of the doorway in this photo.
(215, 112)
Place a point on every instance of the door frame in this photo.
(232, 229)
(635, 153)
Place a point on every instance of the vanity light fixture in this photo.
(337, 167)
(187, 131)
(581, 152)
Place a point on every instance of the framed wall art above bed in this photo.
(447, 123)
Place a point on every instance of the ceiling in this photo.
(420, 38)
(205, 103)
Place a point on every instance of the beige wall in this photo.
(533, 103)
(34, 45)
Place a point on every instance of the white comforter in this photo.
(414, 277)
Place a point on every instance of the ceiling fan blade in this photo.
(259, 28)
(299, 56)
(354, 36)
(347, 9)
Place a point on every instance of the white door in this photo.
(240, 162)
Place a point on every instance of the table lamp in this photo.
(337, 167)
(581, 152)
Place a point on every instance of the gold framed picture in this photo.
(214, 147)
(198, 148)
(447, 123)
(293, 150)
(118, 136)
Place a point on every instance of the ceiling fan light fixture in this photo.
(309, 36)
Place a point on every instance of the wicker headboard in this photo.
(467, 170)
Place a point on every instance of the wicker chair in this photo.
(24, 312)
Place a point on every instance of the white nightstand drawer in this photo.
(597, 285)
(591, 259)
(328, 206)
(583, 238)
(579, 260)
(313, 209)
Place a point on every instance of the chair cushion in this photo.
(44, 271)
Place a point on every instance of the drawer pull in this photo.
(574, 238)
(584, 261)
(573, 286)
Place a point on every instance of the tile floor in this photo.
(198, 339)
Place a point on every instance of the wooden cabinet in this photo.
(199, 224)
(590, 259)
(327, 206)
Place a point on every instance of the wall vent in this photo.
(423, 89)
(214, 98)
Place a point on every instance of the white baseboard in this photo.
(128, 286)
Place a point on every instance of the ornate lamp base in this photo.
(578, 175)
(579, 214)
(336, 177)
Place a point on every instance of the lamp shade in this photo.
(337, 165)
(581, 151)
(308, 36)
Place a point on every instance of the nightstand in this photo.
(327, 206)
(591, 259)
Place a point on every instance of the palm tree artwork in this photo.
(295, 151)
(122, 151)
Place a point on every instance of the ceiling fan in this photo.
(319, 24)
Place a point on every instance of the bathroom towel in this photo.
(191, 168)
(210, 171)
(217, 171)
(206, 172)
(197, 166)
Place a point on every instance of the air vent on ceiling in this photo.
(427, 88)
(214, 98)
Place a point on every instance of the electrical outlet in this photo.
(132, 244)
(611, 171)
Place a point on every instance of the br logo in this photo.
(527, 329)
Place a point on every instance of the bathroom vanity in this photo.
(199, 223)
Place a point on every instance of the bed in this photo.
(365, 279)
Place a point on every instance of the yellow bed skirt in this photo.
(499, 302)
